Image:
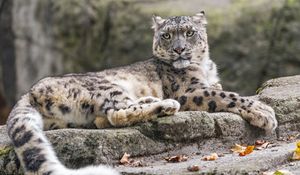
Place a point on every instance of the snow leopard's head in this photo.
(180, 40)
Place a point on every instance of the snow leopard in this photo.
(179, 76)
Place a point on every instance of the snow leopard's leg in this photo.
(25, 129)
(212, 100)
(143, 109)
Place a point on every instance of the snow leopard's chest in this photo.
(176, 82)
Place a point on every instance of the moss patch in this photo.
(5, 150)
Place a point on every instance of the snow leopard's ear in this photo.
(200, 18)
(157, 21)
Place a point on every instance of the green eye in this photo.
(166, 36)
(190, 33)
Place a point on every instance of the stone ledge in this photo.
(108, 145)
(283, 94)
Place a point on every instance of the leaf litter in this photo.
(127, 161)
(211, 157)
(177, 158)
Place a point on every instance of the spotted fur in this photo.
(179, 76)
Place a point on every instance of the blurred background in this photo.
(251, 41)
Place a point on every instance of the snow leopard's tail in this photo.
(25, 129)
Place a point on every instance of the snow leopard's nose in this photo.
(179, 50)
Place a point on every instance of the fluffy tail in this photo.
(25, 129)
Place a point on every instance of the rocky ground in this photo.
(193, 134)
(271, 159)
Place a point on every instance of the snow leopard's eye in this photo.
(190, 33)
(166, 36)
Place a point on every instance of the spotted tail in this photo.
(25, 129)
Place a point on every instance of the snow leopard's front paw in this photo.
(262, 115)
(169, 107)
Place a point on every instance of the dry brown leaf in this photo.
(278, 172)
(263, 146)
(247, 151)
(289, 138)
(213, 156)
(296, 154)
(125, 159)
(193, 168)
(178, 158)
(259, 142)
(293, 137)
(136, 163)
(238, 148)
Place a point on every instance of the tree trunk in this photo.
(7, 51)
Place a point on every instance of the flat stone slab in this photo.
(162, 135)
(283, 94)
(108, 145)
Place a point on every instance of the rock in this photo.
(8, 162)
(108, 145)
(184, 126)
(184, 133)
(92, 147)
(283, 94)
(231, 125)
(194, 125)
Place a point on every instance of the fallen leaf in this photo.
(259, 142)
(213, 156)
(137, 163)
(278, 172)
(238, 148)
(193, 168)
(247, 151)
(263, 146)
(292, 137)
(296, 154)
(125, 159)
(178, 158)
(289, 138)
